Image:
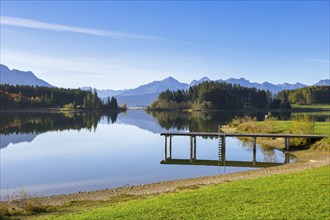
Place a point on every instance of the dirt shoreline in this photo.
(306, 160)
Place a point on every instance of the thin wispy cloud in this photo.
(34, 24)
(318, 61)
(28, 23)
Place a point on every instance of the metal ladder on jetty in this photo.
(221, 147)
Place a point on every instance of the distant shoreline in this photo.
(59, 110)
(301, 109)
(65, 110)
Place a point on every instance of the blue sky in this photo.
(120, 44)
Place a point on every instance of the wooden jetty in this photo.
(223, 135)
(222, 148)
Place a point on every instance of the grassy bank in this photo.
(322, 128)
(314, 106)
(301, 195)
(303, 124)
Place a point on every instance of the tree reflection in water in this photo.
(24, 123)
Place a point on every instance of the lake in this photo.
(56, 153)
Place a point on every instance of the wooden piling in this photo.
(195, 148)
(254, 150)
(171, 146)
(287, 143)
(165, 155)
(191, 148)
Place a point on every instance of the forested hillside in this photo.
(307, 95)
(213, 95)
(18, 97)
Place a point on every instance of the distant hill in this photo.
(137, 100)
(242, 82)
(17, 77)
(325, 82)
(274, 88)
(143, 95)
(196, 82)
(104, 93)
(156, 87)
(287, 86)
(264, 86)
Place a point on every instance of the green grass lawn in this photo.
(322, 128)
(301, 195)
(314, 106)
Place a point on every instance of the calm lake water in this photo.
(53, 153)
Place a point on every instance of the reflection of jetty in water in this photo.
(221, 156)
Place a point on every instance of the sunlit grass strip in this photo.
(322, 128)
(312, 106)
(301, 195)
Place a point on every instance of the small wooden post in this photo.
(286, 140)
(195, 148)
(287, 158)
(254, 150)
(171, 147)
(191, 149)
(165, 155)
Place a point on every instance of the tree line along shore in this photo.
(204, 96)
(23, 97)
(224, 96)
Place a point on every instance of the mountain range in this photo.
(145, 94)
(17, 77)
